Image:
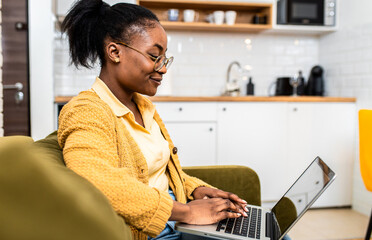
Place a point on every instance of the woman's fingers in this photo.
(226, 204)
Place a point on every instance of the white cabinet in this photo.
(254, 135)
(196, 142)
(326, 130)
(276, 139)
(193, 129)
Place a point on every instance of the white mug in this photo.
(230, 17)
(218, 17)
(189, 15)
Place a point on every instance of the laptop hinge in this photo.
(276, 228)
(272, 226)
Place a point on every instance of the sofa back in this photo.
(42, 199)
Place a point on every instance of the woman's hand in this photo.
(204, 211)
(207, 192)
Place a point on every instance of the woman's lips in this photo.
(156, 80)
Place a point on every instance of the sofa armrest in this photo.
(240, 180)
(42, 199)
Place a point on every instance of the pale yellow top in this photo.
(149, 139)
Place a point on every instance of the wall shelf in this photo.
(244, 19)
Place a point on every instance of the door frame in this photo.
(41, 35)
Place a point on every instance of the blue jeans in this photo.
(169, 232)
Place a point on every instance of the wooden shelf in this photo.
(201, 26)
(244, 19)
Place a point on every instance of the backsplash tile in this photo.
(202, 59)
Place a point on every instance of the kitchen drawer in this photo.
(187, 111)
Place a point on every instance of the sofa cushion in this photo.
(42, 199)
(242, 180)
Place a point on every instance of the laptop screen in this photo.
(302, 194)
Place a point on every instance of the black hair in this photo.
(90, 22)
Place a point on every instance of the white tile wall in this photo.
(347, 54)
(202, 59)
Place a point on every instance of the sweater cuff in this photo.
(161, 216)
(192, 183)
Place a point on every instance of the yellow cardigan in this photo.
(97, 146)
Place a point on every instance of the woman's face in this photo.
(135, 71)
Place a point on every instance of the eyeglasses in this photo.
(159, 61)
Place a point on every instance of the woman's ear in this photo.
(113, 52)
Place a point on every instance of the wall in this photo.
(347, 56)
(41, 67)
(202, 59)
(1, 79)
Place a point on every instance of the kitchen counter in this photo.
(64, 99)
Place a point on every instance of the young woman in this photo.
(112, 135)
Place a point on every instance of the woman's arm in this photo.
(88, 138)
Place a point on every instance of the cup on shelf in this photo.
(218, 17)
(190, 15)
(173, 14)
(230, 17)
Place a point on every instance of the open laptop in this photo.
(272, 224)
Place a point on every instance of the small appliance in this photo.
(315, 83)
(306, 12)
(283, 86)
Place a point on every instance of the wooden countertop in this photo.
(64, 99)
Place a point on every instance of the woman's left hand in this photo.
(207, 192)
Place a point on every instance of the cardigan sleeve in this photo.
(191, 183)
(88, 138)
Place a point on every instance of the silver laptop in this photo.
(275, 223)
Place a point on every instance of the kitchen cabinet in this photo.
(254, 135)
(193, 129)
(327, 130)
(244, 19)
(276, 139)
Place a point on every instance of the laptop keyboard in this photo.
(243, 226)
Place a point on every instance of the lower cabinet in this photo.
(276, 139)
(195, 141)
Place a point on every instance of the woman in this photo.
(113, 136)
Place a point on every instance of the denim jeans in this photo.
(169, 233)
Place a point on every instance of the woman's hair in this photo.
(90, 22)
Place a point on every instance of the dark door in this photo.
(15, 67)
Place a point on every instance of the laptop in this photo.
(272, 224)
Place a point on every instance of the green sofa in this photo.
(42, 199)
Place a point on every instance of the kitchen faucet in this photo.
(231, 88)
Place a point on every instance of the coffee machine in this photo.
(315, 83)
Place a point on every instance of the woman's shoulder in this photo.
(86, 101)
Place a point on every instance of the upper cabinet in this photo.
(204, 15)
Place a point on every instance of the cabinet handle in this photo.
(211, 129)
(295, 109)
(224, 109)
(180, 109)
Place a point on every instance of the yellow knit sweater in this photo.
(97, 146)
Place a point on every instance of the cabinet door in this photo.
(255, 135)
(326, 130)
(195, 141)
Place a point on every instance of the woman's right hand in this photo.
(204, 211)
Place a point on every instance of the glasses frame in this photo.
(166, 62)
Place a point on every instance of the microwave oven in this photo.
(306, 12)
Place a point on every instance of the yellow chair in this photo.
(365, 154)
